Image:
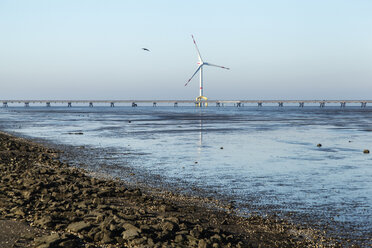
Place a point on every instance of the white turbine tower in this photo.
(201, 63)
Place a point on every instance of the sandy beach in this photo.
(47, 203)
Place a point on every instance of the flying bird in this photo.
(145, 49)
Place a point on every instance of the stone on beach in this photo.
(56, 199)
(78, 226)
(131, 231)
(57, 240)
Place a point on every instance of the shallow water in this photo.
(270, 162)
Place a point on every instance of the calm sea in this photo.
(265, 160)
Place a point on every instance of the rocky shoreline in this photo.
(62, 206)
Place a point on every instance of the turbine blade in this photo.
(193, 74)
(217, 66)
(197, 49)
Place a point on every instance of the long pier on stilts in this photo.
(197, 102)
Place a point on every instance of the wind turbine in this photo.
(201, 63)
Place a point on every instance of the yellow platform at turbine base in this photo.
(200, 101)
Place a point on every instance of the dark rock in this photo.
(150, 242)
(35, 186)
(44, 222)
(78, 226)
(182, 226)
(216, 238)
(49, 240)
(72, 243)
(174, 220)
(145, 228)
(19, 212)
(166, 208)
(195, 233)
(192, 241)
(138, 242)
(168, 226)
(202, 244)
(98, 236)
(92, 233)
(107, 237)
(179, 238)
(130, 232)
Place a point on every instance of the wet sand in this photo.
(52, 204)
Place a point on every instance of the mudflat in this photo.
(47, 203)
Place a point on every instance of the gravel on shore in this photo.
(52, 204)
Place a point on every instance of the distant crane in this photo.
(201, 63)
(145, 49)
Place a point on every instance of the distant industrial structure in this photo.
(175, 103)
(201, 99)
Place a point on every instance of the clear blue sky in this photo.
(287, 49)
